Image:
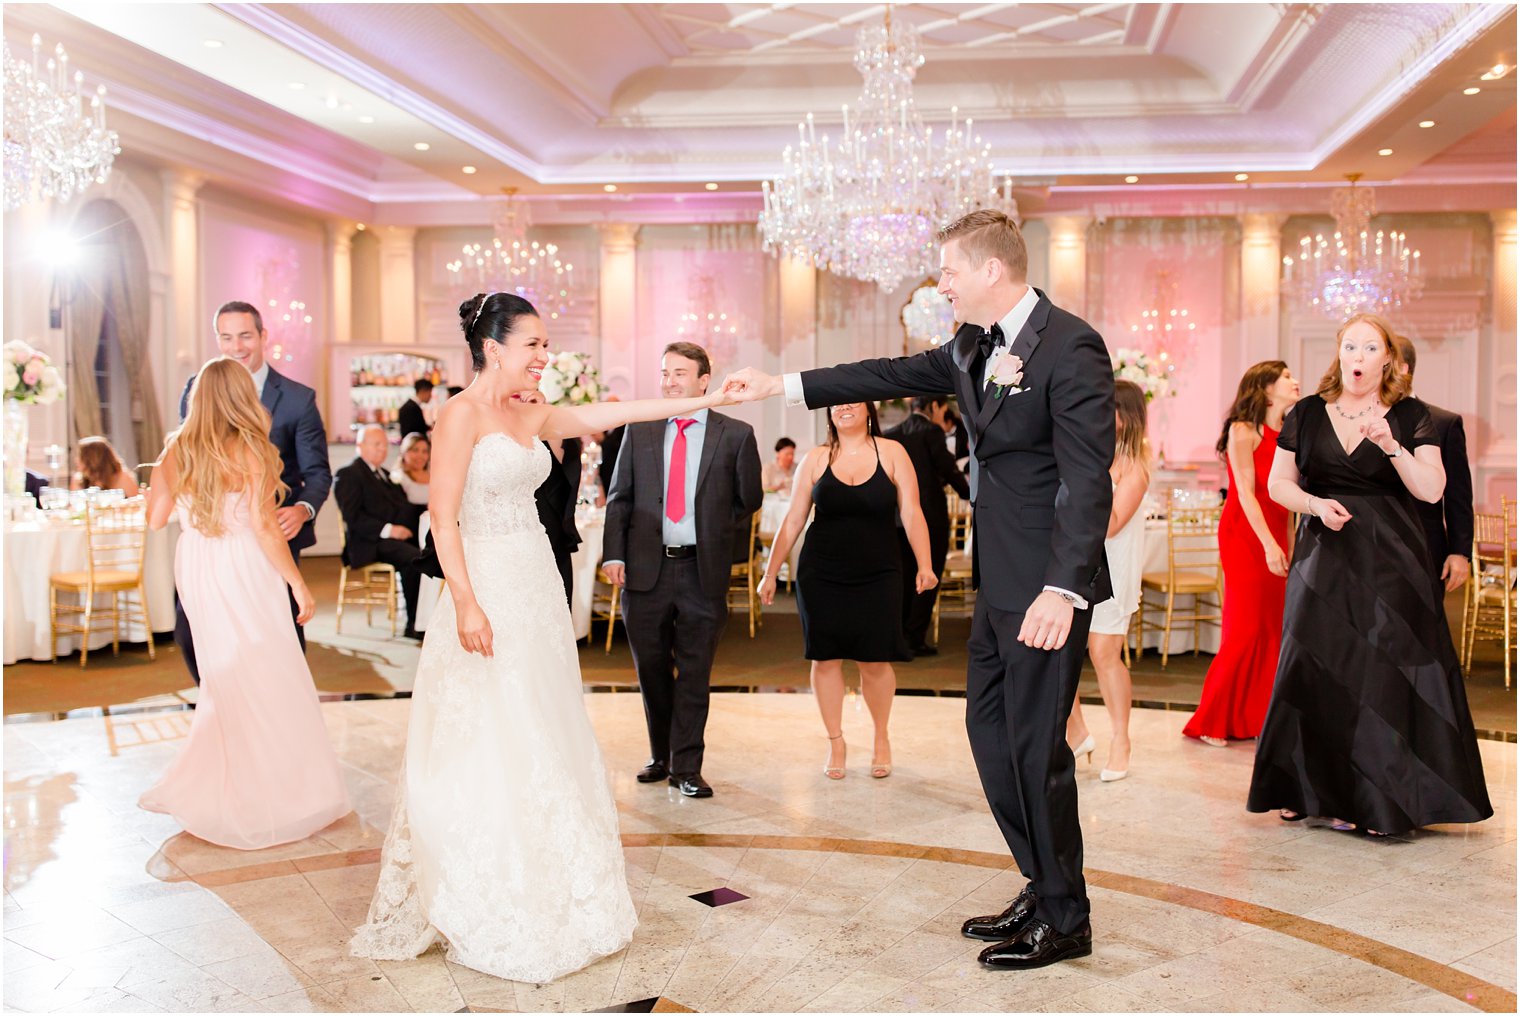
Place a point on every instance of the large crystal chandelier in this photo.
(54, 146)
(1356, 270)
(511, 263)
(869, 205)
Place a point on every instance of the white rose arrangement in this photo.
(569, 379)
(30, 376)
(1151, 375)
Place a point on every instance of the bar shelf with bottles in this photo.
(378, 382)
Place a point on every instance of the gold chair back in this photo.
(1489, 612)
(743, 575)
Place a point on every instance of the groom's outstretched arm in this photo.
(931, 373)
(1082, 411)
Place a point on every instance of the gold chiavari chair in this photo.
(1489, 609)
(116, 536)
(955, 591)
(604, 607)
(373, 585)
(960, 520)
(1192, 569)
(743, 576)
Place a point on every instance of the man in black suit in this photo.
(682, 493)
(556, 497)
(923, 435)
(1038, 393)
(1448, 522)
(409, 417)
(295, 429)
(380, 523)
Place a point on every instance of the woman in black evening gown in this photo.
(849, 575)
(1369, 719)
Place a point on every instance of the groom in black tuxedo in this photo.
(1038, 394)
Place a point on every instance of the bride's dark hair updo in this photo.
(490, 316)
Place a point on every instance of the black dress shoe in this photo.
(926, 650)
(1038, 945)
(1001, 927)
(692, 785)
(412, 633)
(654, 772)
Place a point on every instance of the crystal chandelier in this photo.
(511, 263)
(1356, 270)
(869, 205)
(54, 147)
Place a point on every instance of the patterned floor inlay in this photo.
(719, 897)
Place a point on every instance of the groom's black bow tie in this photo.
(989, 340)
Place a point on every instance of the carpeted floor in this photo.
(365, 660)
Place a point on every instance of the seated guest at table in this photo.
(381, 523)
(1369, 721)
(411, 470)
(34, 484)
(1253, 554)
(1448, 522)
(923, 435)
(1125, 549)
(258, 768)
(410, 417)
(849, 586)
(557, 495)
(98, 465)
(777, 474)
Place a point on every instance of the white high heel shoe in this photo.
(1109, 776)
(1085, 748)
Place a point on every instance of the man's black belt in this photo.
(680, 552)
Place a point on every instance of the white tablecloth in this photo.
(1182, 635)
(773, 511)
(34, 551)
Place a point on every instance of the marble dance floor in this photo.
(855, 890)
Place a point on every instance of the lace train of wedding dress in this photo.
(504, 839)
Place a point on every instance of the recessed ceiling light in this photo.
(609, 187)
(712, 186)
(296, 86)
(1496, 72)
(366, 119)
(468, 170)
(1385, 151)
(1131, 179)
(1242, 177)
(1427, 123)
(360, 227)
(1474, 90)
(422, 146)
(213, 43)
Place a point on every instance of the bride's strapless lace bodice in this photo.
(498, 489)
(504, 839)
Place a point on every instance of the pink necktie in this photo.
(675, 495)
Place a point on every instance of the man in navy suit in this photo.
(297, 431)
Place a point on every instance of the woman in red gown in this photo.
(1253, 550)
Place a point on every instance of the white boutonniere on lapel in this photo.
(1006, 371)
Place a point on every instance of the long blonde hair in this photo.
(226, 429)
(1130, 442)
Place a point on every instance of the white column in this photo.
(1260, 293)
(1068, 263)
(798, 286)
(1497, 387)
(189, 337)
(398, 284)
(619, 309)
(340, 273)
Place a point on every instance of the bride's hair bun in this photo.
(490, 316)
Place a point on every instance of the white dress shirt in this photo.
(1011, 323)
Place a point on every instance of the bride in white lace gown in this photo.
(504, 839)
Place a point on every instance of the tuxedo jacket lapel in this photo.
(963, 354)
(709, 447)
(1023, 347)
(271, 394)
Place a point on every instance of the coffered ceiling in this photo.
(348, 107)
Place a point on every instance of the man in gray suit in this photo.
(681, 499)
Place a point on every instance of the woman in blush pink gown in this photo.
(258, 768)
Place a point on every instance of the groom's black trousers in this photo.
(1017, 701)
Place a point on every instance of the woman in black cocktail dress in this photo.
(1369, 719)
(849, 575)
